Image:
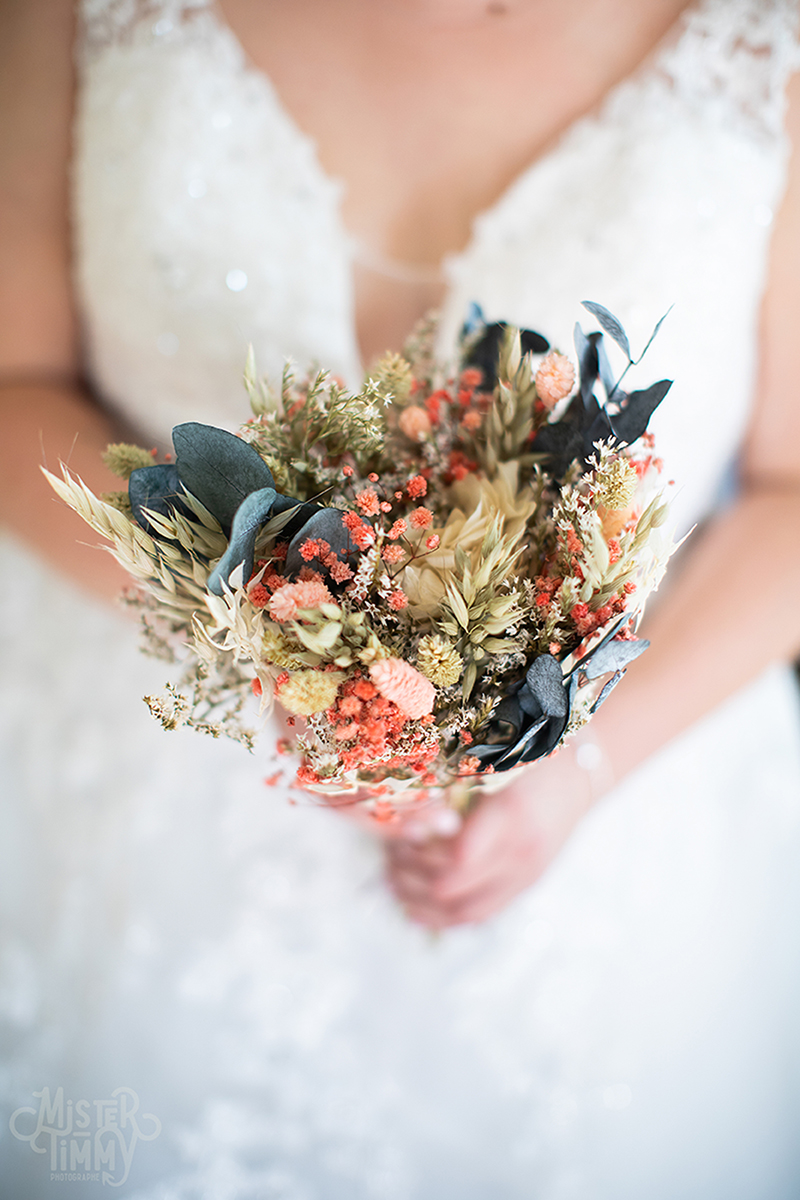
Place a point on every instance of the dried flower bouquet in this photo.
(438, 577)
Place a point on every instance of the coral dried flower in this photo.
(401, 683)
(555, 379)
(415, 423)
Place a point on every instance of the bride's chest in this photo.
(428, 112)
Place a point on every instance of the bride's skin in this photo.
(426, 109)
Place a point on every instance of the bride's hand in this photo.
(506, 843)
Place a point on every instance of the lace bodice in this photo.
(204, 221)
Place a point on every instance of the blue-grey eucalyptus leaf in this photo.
(607, 636)
(528, 702)
(157, 488)
(250, 515)
(218, 468)
(305, 511)
(614, 655)
(611, 324)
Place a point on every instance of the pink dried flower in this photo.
(368, 502)
(312, 595)
(415, 423)
(398, 529)
(346, 470)
(392, 554)
(283, 606)
(403, 684)
(554, 379)
(306, 775)
(314, 548)
(385, 506)
(472, 420)
(469, 765)
(340, 572)
(288, 599)
(372, 477)
(432, 543)
(398, 600)
(421, 518)
(258, 596)
(417, 487)
(345, 732)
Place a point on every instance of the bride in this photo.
(314, 177)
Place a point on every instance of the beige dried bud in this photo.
(310, 692)
(439, 661)
(277, 649)
(394, 376)
(122, 459)
(615, 485)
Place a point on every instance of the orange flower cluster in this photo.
(370, 729)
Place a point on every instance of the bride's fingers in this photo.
(478, 906)
(434, 855)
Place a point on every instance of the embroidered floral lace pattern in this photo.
(626, 1028)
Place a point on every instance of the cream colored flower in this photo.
(439, 660)
(309, 692)
(477, 502)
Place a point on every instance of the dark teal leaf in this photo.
(250, 515)
(631, 421)
(528, 702)
(304, 512)
(485, 351)
(501, 730)
(611, 325)
(588, 364)
(606, 374)
(516, 752)
(545, 680)
(157, 488)
(218, 468)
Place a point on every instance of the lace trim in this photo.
(737, 55)
(105, 23)
(734, 54)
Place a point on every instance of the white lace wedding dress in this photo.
(628, 1027)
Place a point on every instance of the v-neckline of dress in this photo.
(454, 263)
